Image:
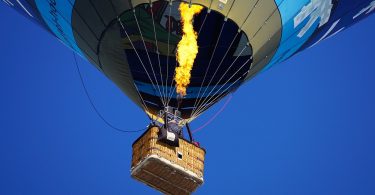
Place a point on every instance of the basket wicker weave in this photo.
(171, 170)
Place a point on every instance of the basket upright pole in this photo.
(189, 132)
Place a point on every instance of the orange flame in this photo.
(187, 48)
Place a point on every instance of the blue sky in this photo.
(305, 126)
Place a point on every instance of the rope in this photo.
(139, 58)
(214, 101)
(197, 105)
(251, 11)
(170, 94)
(169, 35)
(209, 64)
(122, 25)
(216, 115)
(217, 68)
(204, 21)
(213, 54)
(148, 56)
(208, 99)
(157, 51)
(93, 105)
(174, 88)
(203, 102)
(217, 98)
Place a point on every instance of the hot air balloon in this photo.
(138, 45)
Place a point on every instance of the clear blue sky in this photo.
(306, 126)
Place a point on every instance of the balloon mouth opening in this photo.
(149, 37)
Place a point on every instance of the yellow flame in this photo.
(187, 48)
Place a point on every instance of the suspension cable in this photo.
(148, 56)
(169, 35)
(93, 105)
(217, 98)
(226, 53)
(163, 98)
(218, 91)
(251, 11)
(204, 20)
(157, 51)
(214, 116)
(209, 64)
(217, 68)
(136, 52)
(174, 87)
(123, 28)
(201, 102)
(196, 105)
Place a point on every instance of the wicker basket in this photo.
(171, 170)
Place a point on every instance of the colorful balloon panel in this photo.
(134, 42)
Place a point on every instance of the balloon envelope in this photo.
(134, 42)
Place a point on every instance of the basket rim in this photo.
(136, 167)
(151, 126)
